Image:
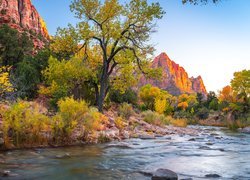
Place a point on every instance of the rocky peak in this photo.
(198, 85)
(23, 16)
(175, 79)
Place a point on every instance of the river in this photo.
(212, 151)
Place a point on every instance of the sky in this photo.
(210, 40)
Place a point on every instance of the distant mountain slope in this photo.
(23, 16)
(175, 79)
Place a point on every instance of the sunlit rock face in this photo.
(175, 79)
(23, 16)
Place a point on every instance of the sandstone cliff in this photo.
(175, 79)
(23, 16)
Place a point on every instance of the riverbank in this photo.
(213, 151)
(115, 128)
(133, 127)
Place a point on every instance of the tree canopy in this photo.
(115, 35)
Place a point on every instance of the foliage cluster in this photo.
(25, 124)
(155, 118)
(125, 110)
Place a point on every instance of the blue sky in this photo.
(209, 40)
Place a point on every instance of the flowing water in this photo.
(213, 151)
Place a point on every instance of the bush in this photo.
(129, 96)
(183, 114)
(119, 123)
(239, 123)
(125, 110)
(31, 66)
(178, 122)
(148, 94)
(202, 113)
(71, 113)
(25, 85)
(94, 121)
(154, 118)
(24, 123)
(70, 76)
(55, 92)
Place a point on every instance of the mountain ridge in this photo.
(175, 79)
(23, 16)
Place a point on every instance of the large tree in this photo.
(116, 33)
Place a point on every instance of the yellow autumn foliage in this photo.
(94, 121)
(5, 85)
(119, 123)
(183, 105)
(71, 113)
(26, 123)
(160, 105)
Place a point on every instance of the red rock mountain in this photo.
(23, 16)
(175, 79)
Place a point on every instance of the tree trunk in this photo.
(102, 95)
(103, 86)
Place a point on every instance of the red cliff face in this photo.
(175, 79)
(23, 16)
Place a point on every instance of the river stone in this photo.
(212, 176)
(146, 136)
(209, 143)
(214, 134)
(64, 156)
(125, 135)
(145, 173)
(245, 130)
(164, 174)
(158, 135)
(205, 148)
(120, 145)
(5, 173)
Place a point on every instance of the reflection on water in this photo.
(212, 152)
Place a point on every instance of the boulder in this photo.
(125, 135)
(5, 173)
(212, 176)
(146, 136)
(119, 145)
(245, 130)
(164, 174)
(63, 156)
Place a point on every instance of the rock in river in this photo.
(146, 136)
(164, 174)
(245, 130)
(212, 176)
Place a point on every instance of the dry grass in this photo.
(178, 122)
